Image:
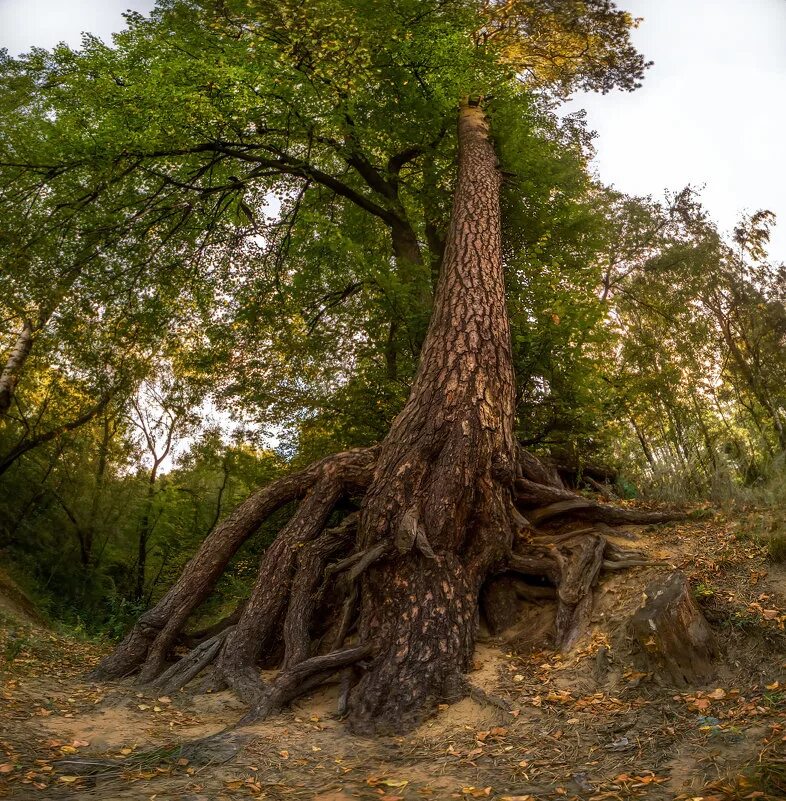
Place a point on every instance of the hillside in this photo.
(591, 724)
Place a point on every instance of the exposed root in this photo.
(575, 590)
(306, 594)
(191, 665)
(572, 561)
(358, 563)
(553, 502)
(294, 681)
(536, 470)
(150, 641)
(309, 569)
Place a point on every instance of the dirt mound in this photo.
(15, 605)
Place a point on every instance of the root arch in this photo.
(305, 610)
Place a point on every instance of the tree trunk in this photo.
(437, 520)
(145, 530)
(14, 365)
(440, 497)
(673, 634)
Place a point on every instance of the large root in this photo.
(149, 642)
(320, 587)
(551, 502)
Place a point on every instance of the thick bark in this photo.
(440, 494)
(158, 628)
(14, 365)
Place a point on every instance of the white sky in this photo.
(712, 110)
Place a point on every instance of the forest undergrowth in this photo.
(589, 724)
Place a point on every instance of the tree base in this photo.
(397, 620)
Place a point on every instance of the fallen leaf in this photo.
(395, 782)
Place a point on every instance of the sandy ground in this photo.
(581, 725)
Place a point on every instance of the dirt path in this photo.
(589, 725)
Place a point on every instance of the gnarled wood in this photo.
(260, 623)
(155, 632)
(579, 576)
(560, 501)
(294, 681)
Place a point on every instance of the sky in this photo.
(711, 112)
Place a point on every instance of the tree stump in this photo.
(674, 635)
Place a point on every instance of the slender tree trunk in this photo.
(145, 530)
(14, 365)
(103, 457)
(441, 491)
(645, 446)
(415, 276)
(753, 381)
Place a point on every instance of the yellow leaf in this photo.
(717, 694)
(68, 779)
